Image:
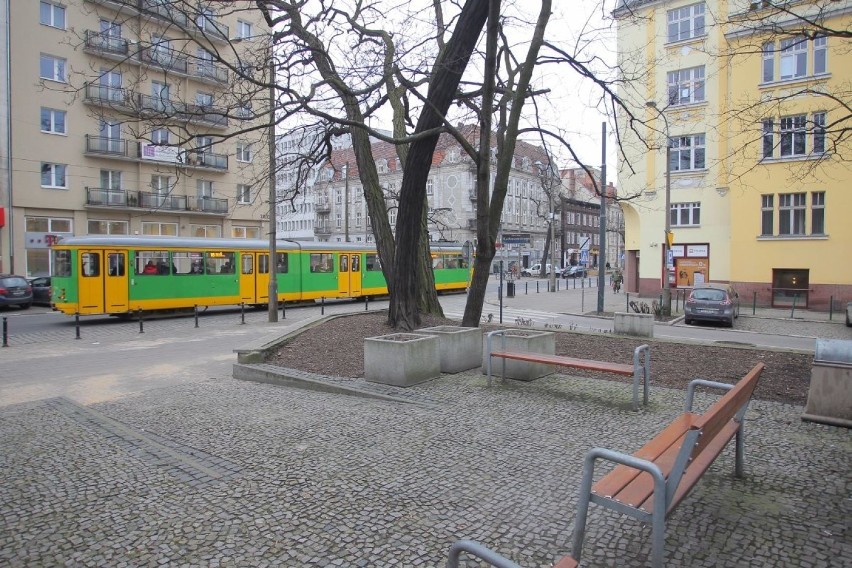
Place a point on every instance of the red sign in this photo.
(2, 217)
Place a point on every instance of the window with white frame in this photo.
(338, 219)
(686, 86)
(47, 225)
(430, 186)
(104, 227)
(686, 22)
(110, 179)
(52, 68)
(52, 14)
(685, 214)
(789, 58)
(338, 196)
(160, 136)
(240, 232)
(818, 213)
(243, 193)
(163, 229)
(392, 218)
(797, 136)
(767, 214)
(791, 213)
(54, 175)
(161, 184)
(687, 152)
(207, 231)
(204, 188)
(243, 29)
(243, 152)
(53, 121)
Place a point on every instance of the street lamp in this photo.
(667, 291)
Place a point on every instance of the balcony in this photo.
(209, 72)
(210, 205)
(107, 96)
(179, 110)
(209, 28)
(105, 146)
(162, 201)
(168, 59)
(321, 227)
(204, 159)
(169, 10)
(322, 206)
(106, 197)
(106, 44)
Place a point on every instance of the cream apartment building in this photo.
(121, 121)
(740, 93)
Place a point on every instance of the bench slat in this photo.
(563, 361)
(616, 480)
(567, 562)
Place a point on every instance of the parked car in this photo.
(575, 272)
(15, 291)
(712, 302)
(41, 290)
(535, 270)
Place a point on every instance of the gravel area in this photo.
(786, 378)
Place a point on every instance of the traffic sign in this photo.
(516, 238)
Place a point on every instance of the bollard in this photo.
(366, 303)
(76, 325)
(830, 307)
(196, 314)
(141, 326)
(557, 284)
(754, 303)
(242, 313)
(5, 332)
(322, 306)
(575, 282)
(627, 303)
(283, 309)
(536, 286)
(793, 309)
(526, 288)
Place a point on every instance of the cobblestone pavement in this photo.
(231, 473)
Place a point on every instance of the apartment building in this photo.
(581, 212)
(747, 100)
(121, 121)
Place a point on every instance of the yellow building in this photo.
(747, 100)
(118, 119)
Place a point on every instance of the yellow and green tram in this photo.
(124, 274)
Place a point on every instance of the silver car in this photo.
(712, 302)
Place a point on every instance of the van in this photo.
(535, 270)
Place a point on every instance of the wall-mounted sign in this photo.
(697, 250)
(160, 153)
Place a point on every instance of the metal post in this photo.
(322, 306)
(5, 332)
(526, 288)
(283, 309)
(196, 314)
(627, 302)
(536, 286)
(366, 303)
(272, 312)
(793, 309)
(76, 325)
(141, 325)
(754, 303)
(602, 238)
(500, 292)
(830, 307)
(243, 313)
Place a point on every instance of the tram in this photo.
(121, 275)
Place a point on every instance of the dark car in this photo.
(41, 290)
(712, 302)
(574, 272)
(15, 291)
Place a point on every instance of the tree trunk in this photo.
(447, 73)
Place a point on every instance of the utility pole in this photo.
(346, 204)
(602, 247)
(273, 195)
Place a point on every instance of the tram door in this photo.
(102, 281)
(349, 275)
(247, 279)
(261, 278)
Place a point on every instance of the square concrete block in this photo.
(639, 325)
(528, 341)
(459, 346)
(401, 359)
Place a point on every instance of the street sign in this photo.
(584, 256)
(516, 238)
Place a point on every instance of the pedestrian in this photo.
(617, 278)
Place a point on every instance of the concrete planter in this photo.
(458, 346)
(527, 341)
(639, 325)
(401, 359)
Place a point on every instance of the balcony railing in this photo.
(211, 28)
(206, 159)
(170, 59)
(106, 196)
(105, 43)
(162, 201)
(106, 95)
(183, 111)
(211, 205)
(170, 10)
(322, 227)
(322, 206)
(207, 70)
(105, 145)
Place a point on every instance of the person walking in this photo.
(617, 279)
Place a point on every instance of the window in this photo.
(205, 231)
(686, 22)
(797, 135)
(217, 262)
(794, 57)
(204, 100)
(819, 133)
(164, 229)
(53, 121)
(768, 66)
(152, 263)
(322, 262)
(820, 55)
(243, 193)
(685, 214)
(53, 175)
(818, 213)
(686, 86)
(204, 188)
(687, 153)
(243, 29)
(372, 263)
(243, 152)
(62, 263)
(110, 179)
(239, 232)
(101, 227)
(52, 68)
(90, 264)
(47, 225)
(430, 186)
(160, 136)
(768, 137)
(793, 135)
(52, 15)
(767, 214)
(791, 213)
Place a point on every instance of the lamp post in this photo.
(667, 290)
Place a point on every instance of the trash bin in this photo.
(830, 392)
(510, 289)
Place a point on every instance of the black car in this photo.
(41, 290)
(15, 291)
(574, 272)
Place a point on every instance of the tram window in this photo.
(152, 262)
(322, 262)
(188, 262)
(356, 263)
(115, 261)
(454, 261)
(91, 263)
(283, 264)
(437, 261)
(263, 264)
(247, 263)
(344, 263)
(62, 263)
(373, 263)
(220, 262)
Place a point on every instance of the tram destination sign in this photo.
(516, 238)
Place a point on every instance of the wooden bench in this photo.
(640, 370)
(473, 548)
(649, 484)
